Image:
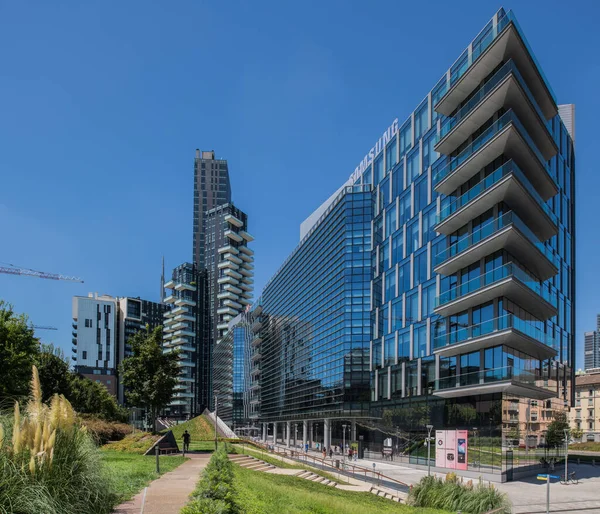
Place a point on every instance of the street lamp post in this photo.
(344, 441)
(566, 431)
(429, 429)
(216, 417)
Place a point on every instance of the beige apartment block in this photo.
(586, 413)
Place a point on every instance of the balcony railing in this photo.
(482, 92)
(485, 38)
(445, 168)
(489, 376)
(490, 181)
(488, 327)
(509, 270)
(490, 228)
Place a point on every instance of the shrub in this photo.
(139, 442)
(104, 431)
(48, 462)
(215, 492)
(453, 495)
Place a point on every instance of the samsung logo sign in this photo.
(374, 152)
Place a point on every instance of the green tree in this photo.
(89, 397)
(18, 349)
(577, 433)
(149, 375)
(53, 368)
(555, 436)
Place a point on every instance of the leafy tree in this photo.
(555, 436)
(149, 375)
(89, 397)
(54, 372)
(18, 349)
(576, 433)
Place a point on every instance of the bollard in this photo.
(578, 461)
(157, 451)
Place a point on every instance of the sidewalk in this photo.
(169, 493)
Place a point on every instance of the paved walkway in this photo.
(169, 493)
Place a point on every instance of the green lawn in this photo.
(264, 493)
(130, 473)
(587, 447)
(138, 442)
(276, 461)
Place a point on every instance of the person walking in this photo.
(330, 453)
(186, 441)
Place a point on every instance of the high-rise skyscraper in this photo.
(211, 188)
(185, 328)
(436, 286)
(229, 269)
(591, 349)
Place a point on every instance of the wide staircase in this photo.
(313, 477)
(252, 463)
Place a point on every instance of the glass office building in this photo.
(313, 325)
(468, 306)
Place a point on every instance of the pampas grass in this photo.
(53, 465)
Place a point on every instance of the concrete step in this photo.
(378, 492)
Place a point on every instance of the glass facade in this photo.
(438, 286)
(314, 321)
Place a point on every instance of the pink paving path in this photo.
(169, 493)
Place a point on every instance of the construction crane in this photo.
(15, 270)
(41, 327)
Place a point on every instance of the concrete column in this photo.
(304, 433)
(353, 431)
(264, 432)
(275, 432)
(287, 433)
(327, 433)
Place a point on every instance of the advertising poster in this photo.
(450, 451)
(440, 448)
(461, 449)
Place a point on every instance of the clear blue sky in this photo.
(102, 105)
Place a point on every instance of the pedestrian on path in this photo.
(186, 441)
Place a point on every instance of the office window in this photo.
(390, 220)
(390, 153)
(84, 354)
(405, 214)
(413, 167)
(397, 314)
(378, 169)
(421, 120)
(398, 246)
(419, 268)
(405, 137)
(390, 284)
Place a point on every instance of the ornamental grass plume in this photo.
(53, 465)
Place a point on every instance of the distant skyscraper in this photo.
(211, 188)
(592, 347)
(228, 262)
(94, 338)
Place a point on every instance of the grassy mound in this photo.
(200, 428)
(138, 443)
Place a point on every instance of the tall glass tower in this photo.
(211, 189)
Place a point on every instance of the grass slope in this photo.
(139, 443)
(200, 429)
(130, 473)
(587, 447)
(264, 493)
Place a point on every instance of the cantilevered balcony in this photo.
(494, 45)
(245, 257)
(233, 235)
(170, 284)
(246, 250)
(232, 304)
(233, 258)
(505, 89)
(185, 332)
(505, 136)
(228, 248)
(256, 325)
(255, 371)
(507, 184)
(255, 356)
(228, 280)
(506, 232)
(185, 301)
(508, 330)
(246, 272)
(247, 236)
(222, 326)
(228, 264)
(227, 310)
(179, 310)
(232, 273)
(184, 317)
(170, 299)
(230, 218)
(232, 289)
(181, 286)
(508, 280)
(256, 340)
(244, 301)
(227, 294)
(497, 380)
(245, 286)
